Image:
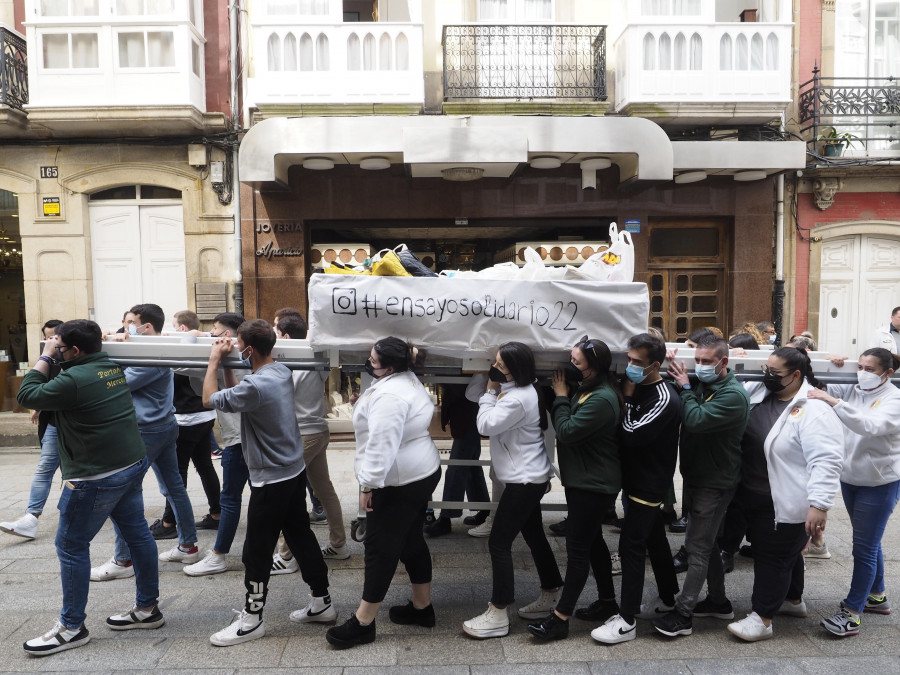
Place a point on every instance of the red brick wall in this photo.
(810, 28)
(216, 32)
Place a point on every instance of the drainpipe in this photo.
(778, 291)
(235, 127)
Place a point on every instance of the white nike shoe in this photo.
(319, 610)
(245, 628)
(615, 630)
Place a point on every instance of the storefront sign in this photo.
(270, 251)
(472, 314)
(633, 226)
(51, 207)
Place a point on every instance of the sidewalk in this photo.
(197, 607)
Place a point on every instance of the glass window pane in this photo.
(86, 8)
(276, 7)
(159, 192)
(123, 192)
(656, 322)
(54, 7)
(691, 242)
(681, 283)
(129, 7)
(195, 59)
(681, 325)
(704, 283)
(131, 50)
(84, 50)
(681, 304)
(704, 303)
(161, 48)
(56, 51)
(656, 303)
(701, 322)
(656, 282)
(160, 6)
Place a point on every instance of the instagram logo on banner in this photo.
(343, 300)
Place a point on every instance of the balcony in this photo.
(556, 62)
(709, 73)
(851, 116)
(366, 66)
(13, 70)
(108, 66)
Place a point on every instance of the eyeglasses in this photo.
(768, 371)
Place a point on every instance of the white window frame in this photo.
(40, 13)
(517, 11)
(69, 32)
(118, 67)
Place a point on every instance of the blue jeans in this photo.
(869, 508)
(160, 444)
(43, 475)
(83, 508)
(234, 477)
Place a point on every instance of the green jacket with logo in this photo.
(587, 438)
(94, 414)
(714, 417)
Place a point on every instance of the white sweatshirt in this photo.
(512, 420)
(393, 444)
(804, 451)
(871, 433)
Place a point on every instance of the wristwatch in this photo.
(365, 490)
(686, 386)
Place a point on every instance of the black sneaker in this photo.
(430, 519)
(350, 633)
(679, 526)
(208, 523)
(708, 608)
(559, 529)
(674, 624)
(746, 551)
(598, 611)
(727, 561)
(160, 531)
(439, 527)
(408, 615)
(550, 628)
(680, 560)
(477, 519)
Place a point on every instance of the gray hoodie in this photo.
(270, 438)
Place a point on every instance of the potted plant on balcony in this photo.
(833, 143)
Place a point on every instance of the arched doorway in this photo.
(137, 251)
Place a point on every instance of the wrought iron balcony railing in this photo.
(863, 111)
(525, 61)
(13, 70)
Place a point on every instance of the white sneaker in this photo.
(177, 555)
(111, 570)
(483, 530)
(751, 628)
(26, 526)
(493, 623)
(654, 610)
(332, 553)
(245, 628)
(541, 607)
(319, 610)
(820, 552)
(616, 564)
(790, 609)
(282, 566)
(212, 563)
(57, 639)
(615, 630)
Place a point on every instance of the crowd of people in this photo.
(762, 460)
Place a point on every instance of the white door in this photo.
(859, 285)
(138, 256)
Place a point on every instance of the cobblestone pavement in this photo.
(197, 607)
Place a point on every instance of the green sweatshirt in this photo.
(714, 418)
(587, 432)
(94, 415)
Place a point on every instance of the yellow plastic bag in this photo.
(389, 265)
(340, 268)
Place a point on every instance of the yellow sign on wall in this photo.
(51, 207)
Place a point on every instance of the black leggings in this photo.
(585, 547)
(519, 510)
(394, 535)
(193, 446)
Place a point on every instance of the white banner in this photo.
(464, 315)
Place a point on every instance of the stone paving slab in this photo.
(197, 607)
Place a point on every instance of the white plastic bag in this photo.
(613, 264)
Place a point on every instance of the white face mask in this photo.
(868, 381)
(772, 339)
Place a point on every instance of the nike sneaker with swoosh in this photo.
(319, 610)
(615, 630)
(245, 628)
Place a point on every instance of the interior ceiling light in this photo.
(318, 163)
(690, 177)
(595, 163)
(462, 173)
(744, 176)
(374, 163)
(545, 162)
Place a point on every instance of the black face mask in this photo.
(572, 373)
(773, 382)
(370, 369)
(494, 375)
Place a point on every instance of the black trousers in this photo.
(192, 445)
(777, 554)
(394, 535)
(519, 510)
(274, 508)
(585, 547)
(644, 531)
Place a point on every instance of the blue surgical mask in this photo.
(772, 339)
(635, 373)
(707, 373)
(132, 329)
(246, 361)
